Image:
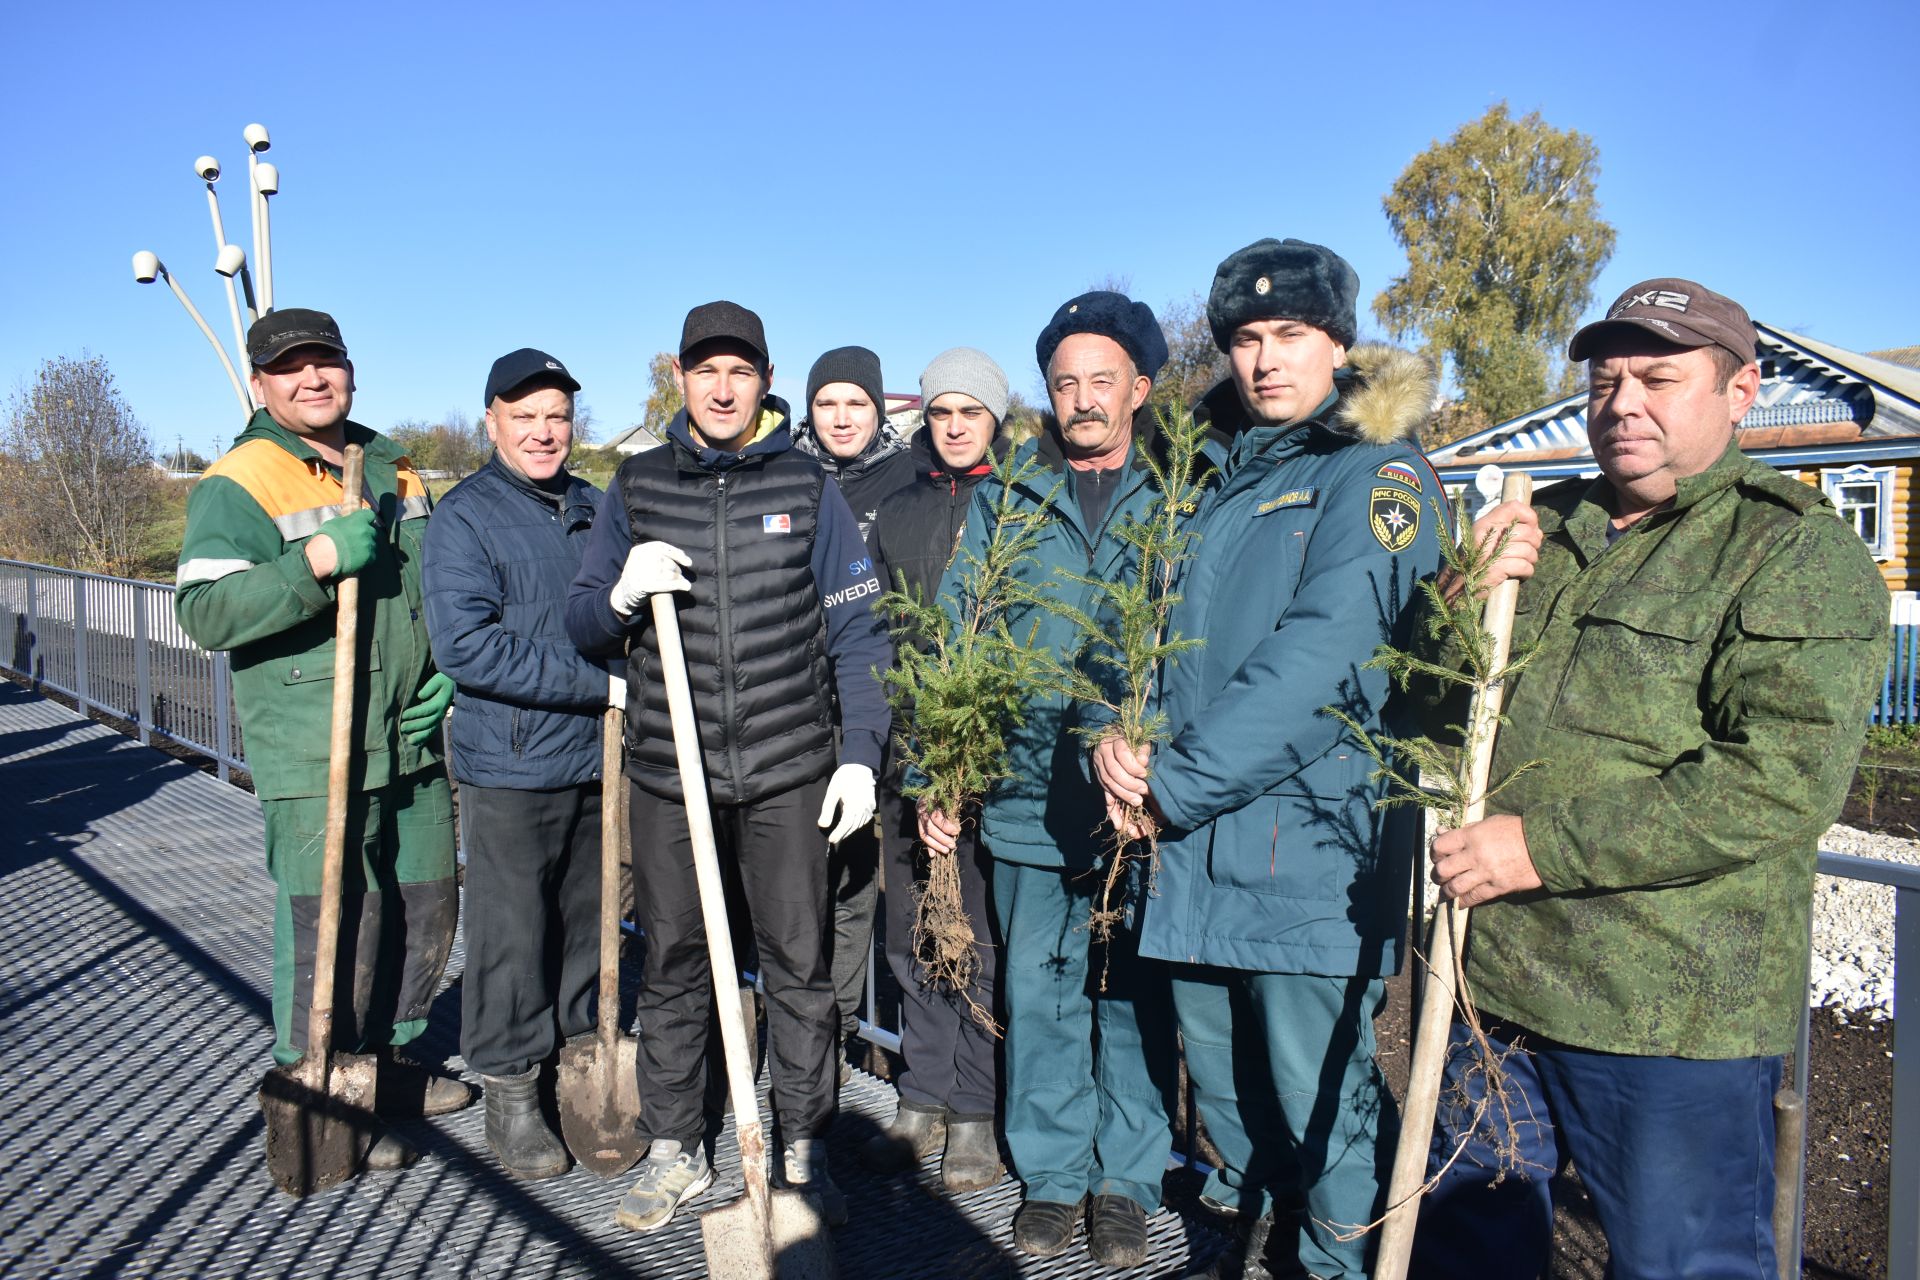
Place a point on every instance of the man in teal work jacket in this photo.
(1283, 892)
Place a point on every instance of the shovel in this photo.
(761, 1236)
(599, 1085)
(1444, 946)
(319, 1111)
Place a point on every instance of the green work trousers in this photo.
(1090, 1075)
(397, 915)
(1284, 1077)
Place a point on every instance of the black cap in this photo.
(1284, 280)
(1111, 315)
(712, 320)
(857, 365)
(517, 368)
(1682, 312)
(278, 332)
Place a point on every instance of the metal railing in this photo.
(112, 645)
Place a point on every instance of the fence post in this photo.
(80, 691)
(222, 726)
(33, 630)
(142, 670)
(1903, 1224)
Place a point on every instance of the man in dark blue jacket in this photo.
(776, 606)
(525, 747)
(1282, 891)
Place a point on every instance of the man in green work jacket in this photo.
(1705, 642)
(263, 551)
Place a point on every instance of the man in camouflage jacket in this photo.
(1705, 641)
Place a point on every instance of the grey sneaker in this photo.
(804, 1164)
(669, 1177)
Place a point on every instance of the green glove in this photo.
(355, 539)
(420, 720)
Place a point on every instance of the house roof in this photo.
(1813, 395)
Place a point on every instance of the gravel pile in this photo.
(1853, 928)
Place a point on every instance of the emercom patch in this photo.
(1394, 517)
(1291, 498)
(1400, 473)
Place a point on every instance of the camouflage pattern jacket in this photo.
(1697, 693)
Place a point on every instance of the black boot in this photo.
(972, 1159)
(916, 1132)
(1259, 1252)
(1044, 1228)
(408, 1090)
(517, 1131)
(1116, 1232)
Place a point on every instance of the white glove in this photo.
(851, 792)
(651, 567)
(617, 692)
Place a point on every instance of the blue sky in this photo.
(461, 180)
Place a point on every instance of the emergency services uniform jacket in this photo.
(1696, 697)
(500, 554)
(245, 588)
(1309, 542)
(778, 624)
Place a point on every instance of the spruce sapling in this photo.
(1127, 640)
(962, 680)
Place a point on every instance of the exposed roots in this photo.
(1110, 910)
(1480, 1093)
(943, 937)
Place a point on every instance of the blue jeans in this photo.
(1676, 1152)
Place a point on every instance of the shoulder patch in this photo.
(1393, 516)
(1291, 498)
(1400, 473)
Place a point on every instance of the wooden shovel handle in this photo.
(713, 907)
(1444, 944)
(346, 638)
(613, 851)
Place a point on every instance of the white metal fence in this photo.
(112, 645)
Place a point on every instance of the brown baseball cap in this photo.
(712, 320)
(1683, 312)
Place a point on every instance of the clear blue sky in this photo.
(461, 180)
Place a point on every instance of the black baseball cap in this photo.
(712, 320)
(517, 368)
(278, 332)
(1683, 312)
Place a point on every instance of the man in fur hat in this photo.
(1281, 889)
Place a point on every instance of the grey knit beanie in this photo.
(969, 372)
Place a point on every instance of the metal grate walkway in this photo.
(135, 954)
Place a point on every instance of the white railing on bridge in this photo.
(112, 645)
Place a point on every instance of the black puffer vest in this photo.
(754, 629)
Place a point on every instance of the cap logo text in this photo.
(1654, 298)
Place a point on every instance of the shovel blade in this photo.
(315, 1139)
(737, 1247)
(600, 1103)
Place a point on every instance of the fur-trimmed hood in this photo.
(1386, 394)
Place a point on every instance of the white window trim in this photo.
(1831, 480)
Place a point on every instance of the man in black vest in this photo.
(777, 615)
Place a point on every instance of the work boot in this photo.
(1044, 1228)
(916, 1132)
(517, 1131)
(407, 1090)
(1116, 1232)
(390, 1151)
(804, 1166)
(669, 1177)
(972, 1159)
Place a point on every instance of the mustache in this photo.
(1095, 414)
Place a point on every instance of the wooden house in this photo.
(1845, 422)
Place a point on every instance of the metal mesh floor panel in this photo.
(135, 963)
